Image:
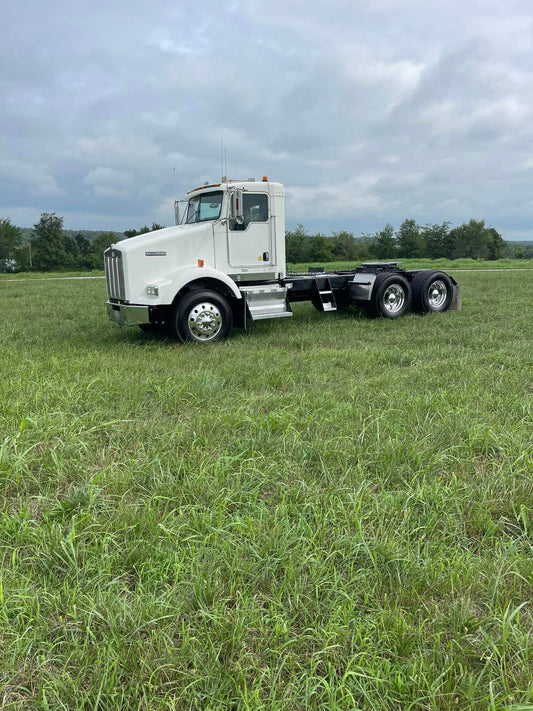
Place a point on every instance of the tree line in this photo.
(411, 241)
(50, 248)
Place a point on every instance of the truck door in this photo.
(250, 243)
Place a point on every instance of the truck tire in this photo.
(391, 296)
(201, 317)
(432, 292)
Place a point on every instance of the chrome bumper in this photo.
(126, 315)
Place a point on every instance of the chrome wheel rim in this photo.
(394, 299)
(205, 321)
(437, 294)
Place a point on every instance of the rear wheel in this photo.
(432, 292)
(201, 317)
(391, 296)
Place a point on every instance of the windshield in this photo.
(204, 207)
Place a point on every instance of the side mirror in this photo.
(237, 213)
(176, 212)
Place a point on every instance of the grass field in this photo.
(325, 512)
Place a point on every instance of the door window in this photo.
(255, 209)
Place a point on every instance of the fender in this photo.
(172, 283)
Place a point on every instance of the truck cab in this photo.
(228, 233)
(248, 227)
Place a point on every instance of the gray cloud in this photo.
(368, 111)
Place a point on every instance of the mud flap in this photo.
(456, 298)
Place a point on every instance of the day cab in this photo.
(223, 264)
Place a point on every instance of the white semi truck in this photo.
(223, 264)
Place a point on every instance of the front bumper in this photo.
(126, 314)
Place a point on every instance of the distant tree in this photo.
(496, 244)
(84, 245)
(295, 243)
(411, 243)
(471, 240)
(364, 248)
(144, 230)
(10, 239)
(134, 233)
(384, 244)
(48, 247)
(344, 246)
(22, 257)
(438, 241)
(320, 249)
(72, 252)
(98, 247)
(83, 254)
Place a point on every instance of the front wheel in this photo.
(432, 292)
(201, 317)
(391, 296)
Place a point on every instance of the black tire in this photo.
(391, 296)
(432, 292)
(201, 317)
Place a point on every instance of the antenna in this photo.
(223, 161)
(176, 201)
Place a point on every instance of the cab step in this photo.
(323, 298)
(266, 301)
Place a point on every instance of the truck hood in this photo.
(132, 244)
(153, 255)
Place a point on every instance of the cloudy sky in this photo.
(369, 111)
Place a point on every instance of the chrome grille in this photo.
(114, 274)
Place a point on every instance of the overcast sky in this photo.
(369, 111)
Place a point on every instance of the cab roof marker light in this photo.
(201, 187)
(265, 179)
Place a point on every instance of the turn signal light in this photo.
(200, 262)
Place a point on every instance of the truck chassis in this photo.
(205, 311)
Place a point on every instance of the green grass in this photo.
(9, 276)
(325, 512)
